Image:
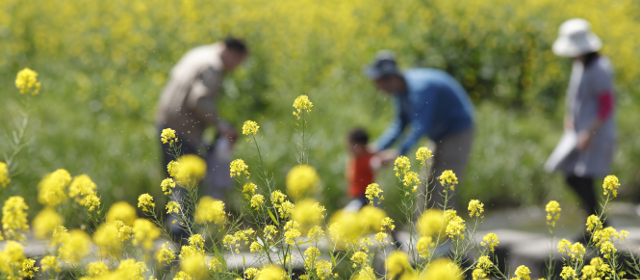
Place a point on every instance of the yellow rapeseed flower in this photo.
(122, 211)
(522, 272)
(14, 218)
(238, 167)
(167, 186)
(28, 269)
(611, 184)
(255, 247)
(475, 208)
(26, 81)
(249, 189)
(165, 254)
(302, 180)
(387, 223)
(456, 227)
(359, 259)
(59, 235)
(401, 166)
(83, 189)
(107, 240)
(411, 180)
(478, 274)
(373, 191)
(145, 201)
(195, 266)
(257, 201)
(553, 212)
(172, 207)
(490, 240)
(4, 175)
(423, 154)
(607, 249)
(51, 190)
(568, 273)
(291, 232)
(302, 105)
(46, 222)
(250, 127)
(593, 223)
(425, 243)
(215, 265)
(448, 179)
(485, 263)
(210, 210)
(168, 135)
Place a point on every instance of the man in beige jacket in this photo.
(188, 106)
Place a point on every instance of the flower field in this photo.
(79, 148)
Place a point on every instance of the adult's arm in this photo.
(422, 123)
(393, 131)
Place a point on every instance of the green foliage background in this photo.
(102, 66)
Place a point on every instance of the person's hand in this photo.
(568, 123)
(584, 139)
(388, 157)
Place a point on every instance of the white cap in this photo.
(576, 39)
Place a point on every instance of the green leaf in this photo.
(273, 218)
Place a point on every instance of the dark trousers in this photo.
(583, 186)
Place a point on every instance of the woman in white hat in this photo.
(586, 148)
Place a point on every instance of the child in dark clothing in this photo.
(361, 168)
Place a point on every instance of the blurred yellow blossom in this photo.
(4, 175)
(302, 105)
(431, 222)
(359, 259)
(568, 273)
(302, 180)
(195, 266)
(553, 212)
(167, 186)
(250, 127)
(238, 167)
(423, 154)
(308, 213)
(168, 135)
(475, 208)
(51, 190)
(210, 210)
(27, 81)
(46, 222)
(611, 184)
(271, 272)
(144, 233)
(145, 201)
(83, 189)
(425, 243)
(75, 246)
(107, 240)
(122, 211)
(215, 265)
(28, 269)
(50, 263)
(443, 269)
(188, 172)
(59, 235)
(14, 218)
(249, 189)
(256, 247)
(397, 263)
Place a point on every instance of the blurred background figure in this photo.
(188, 105)
(585, 150)
(432, 104)
(360, 169)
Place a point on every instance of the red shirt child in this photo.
(361, 168)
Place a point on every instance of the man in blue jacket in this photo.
(431, 103)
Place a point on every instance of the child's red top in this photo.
(359, 174)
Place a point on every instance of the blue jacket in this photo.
(434, 105)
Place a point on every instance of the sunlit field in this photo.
(102, 66)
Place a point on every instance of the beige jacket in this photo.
(188, 101)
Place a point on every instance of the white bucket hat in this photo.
(576, 39)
